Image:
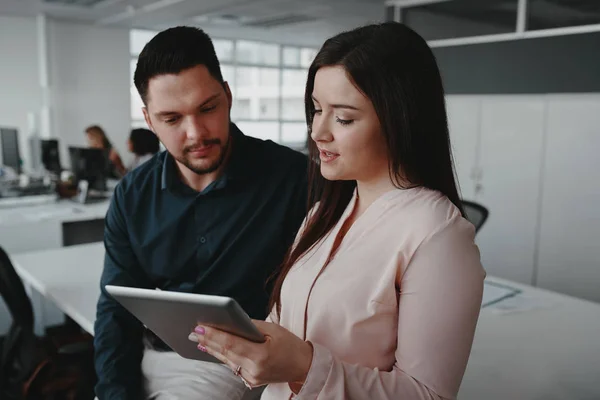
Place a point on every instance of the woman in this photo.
(144, 144)
(380, 295)
(97, 139)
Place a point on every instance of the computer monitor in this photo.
(89, 165)
(10, 148)
(50, 155)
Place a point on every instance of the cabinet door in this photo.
(569, 249)
(510, 158)
(463, 123)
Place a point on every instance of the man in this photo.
(214, 214)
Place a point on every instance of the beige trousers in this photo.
(168, 376)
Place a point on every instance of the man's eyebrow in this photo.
(163, 114)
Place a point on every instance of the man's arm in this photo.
(118, 334)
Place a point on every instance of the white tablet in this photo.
(172, 316)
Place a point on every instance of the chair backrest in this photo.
(476, 213)
(18, 351)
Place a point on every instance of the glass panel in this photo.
(291, 56)
(228, 75)
(245, 77)
(268, 108)
(240, 109)
(292, 103)
(224, 50)
(294, 132)
(259, 87)
(465, 18)
(138, 39)
(257, 53)
(549, 14)
(307, 56)
(292, 109)
(260, 129)
(269, 77)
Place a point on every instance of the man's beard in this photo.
(212, 167)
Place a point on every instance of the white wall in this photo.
(89, 75)
(20, 91)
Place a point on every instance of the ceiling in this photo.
(298, 21)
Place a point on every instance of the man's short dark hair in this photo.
(143, 141)
(172, 51)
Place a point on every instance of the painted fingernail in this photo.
(201, 348)
(199, 330)
(193, 337)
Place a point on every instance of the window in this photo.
(291, 56)
(307, 56)
(224, 50)
(294, 133)
(267, 83)
(257, 53)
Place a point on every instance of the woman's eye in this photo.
(344, 121)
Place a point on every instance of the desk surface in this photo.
(69, 277)
(551, 352)
(63, 211)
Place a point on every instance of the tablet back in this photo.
(172, 316)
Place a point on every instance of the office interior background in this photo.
(523, 100)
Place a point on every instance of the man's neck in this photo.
(198, 182)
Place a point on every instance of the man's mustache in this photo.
(204, 143)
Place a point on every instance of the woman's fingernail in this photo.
(201, 348)
(199, 330)
(193, 337)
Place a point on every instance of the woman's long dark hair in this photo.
(395, 68)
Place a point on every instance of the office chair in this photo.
(32, 367)
(476, 213)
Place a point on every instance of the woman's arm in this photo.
(439, 303)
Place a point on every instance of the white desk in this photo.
(550, 353)
(69, 277)
(42, 227)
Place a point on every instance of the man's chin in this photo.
(204, 167)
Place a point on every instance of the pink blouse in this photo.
(393, 314)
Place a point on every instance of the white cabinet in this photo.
(510, 157)
(569, 249)
(497, 145)
(463, 122)
(534, 162)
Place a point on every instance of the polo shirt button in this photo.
(202, 240)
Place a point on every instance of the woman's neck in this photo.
(371, 190)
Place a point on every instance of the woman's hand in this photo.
(283, 357)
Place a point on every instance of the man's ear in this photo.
(228, 93)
